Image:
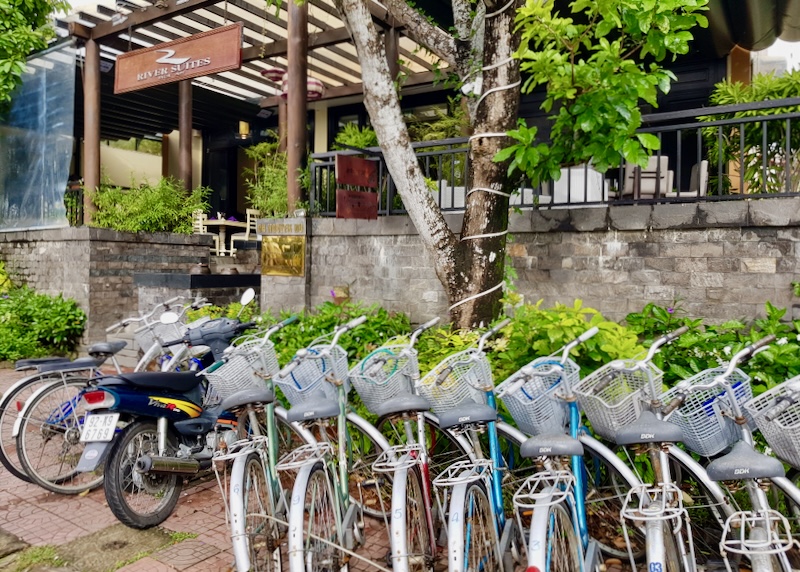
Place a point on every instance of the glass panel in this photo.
(36, 143)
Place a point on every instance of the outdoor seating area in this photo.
(217, 228)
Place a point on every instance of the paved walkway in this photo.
(197, 527)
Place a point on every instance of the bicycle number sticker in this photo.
(656, 567)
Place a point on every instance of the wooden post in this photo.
(185, 133)
(91, 126)
(282, 125)
(297, 130)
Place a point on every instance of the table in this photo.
(222, 227)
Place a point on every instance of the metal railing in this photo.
(729, 152)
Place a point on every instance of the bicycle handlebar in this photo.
(527, 373)
(722, 380)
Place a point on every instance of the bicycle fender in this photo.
(94, 455)
(24, 411)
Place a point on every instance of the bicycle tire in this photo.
(48, 440)
(11, 404)
(553, 544)
(608, 480)
(255, 534)
(472, 542)
(411, 542)
(130, 494)
(314, 522)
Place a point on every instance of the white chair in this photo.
(199, 227)
(656, 176)
(249, 233)
(698, 182)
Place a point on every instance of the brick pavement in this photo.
(39, 518)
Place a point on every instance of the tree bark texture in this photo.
(471, 266)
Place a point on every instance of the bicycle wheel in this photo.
(607, 484)
(411, 543)
(48, 441)
(553, 545)
(140, 500)
(255, 533)
(314, 522)
(11, 404)
(472, 537)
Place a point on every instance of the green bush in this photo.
(35, 325)
(163, 207)
(710, 345)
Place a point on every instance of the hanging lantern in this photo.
(315, 89)
(274, 74)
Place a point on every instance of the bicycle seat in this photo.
(403, 403)
(30, 363)
(74, 365)
(551, 446)
(106, 348)
(743, 462)
(467, 412)
(260, 395)
(180, 382)
(649, 429)
(316, 408)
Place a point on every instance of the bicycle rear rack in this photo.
(778, 537)
(397, 457)
(550, 486)
(303, 455)
(464, 472)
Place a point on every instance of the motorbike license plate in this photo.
(99, 427)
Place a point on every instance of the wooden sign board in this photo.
(356, 171)
(356, 204)
(205, 53)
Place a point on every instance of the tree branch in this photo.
(419, 29)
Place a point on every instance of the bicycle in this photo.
(51, 397)
(256, 504)
(556, 500)
(385, 380)
(460, 391)
(327, 504)
(713, 417)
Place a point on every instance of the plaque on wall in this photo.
(283, 246)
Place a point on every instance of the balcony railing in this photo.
(729, 152)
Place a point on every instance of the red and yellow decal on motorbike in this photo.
(190, 409)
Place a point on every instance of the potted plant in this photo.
(596, 63)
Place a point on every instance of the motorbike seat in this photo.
(175, 381)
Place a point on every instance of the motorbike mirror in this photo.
(248, 296)
(169, 318)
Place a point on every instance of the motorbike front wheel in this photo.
(140, 500)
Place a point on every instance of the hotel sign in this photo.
(205, 53)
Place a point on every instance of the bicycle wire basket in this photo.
(704, 417)
(156, 333)
(386, 372)
(466, 376)
(612, 399)
(783, 432)
(534, 405)
(246, 367)
(308, 379)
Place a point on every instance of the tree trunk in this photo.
(470, 269)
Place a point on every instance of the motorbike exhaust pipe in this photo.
(153, 464)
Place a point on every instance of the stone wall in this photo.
(96, 266)
(718, 260)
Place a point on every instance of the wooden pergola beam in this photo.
(358, 88)
(280, 47)
(149, 15)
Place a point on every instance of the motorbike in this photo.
(150, 430)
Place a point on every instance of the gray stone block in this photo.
(630, 217)
(674, 215)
